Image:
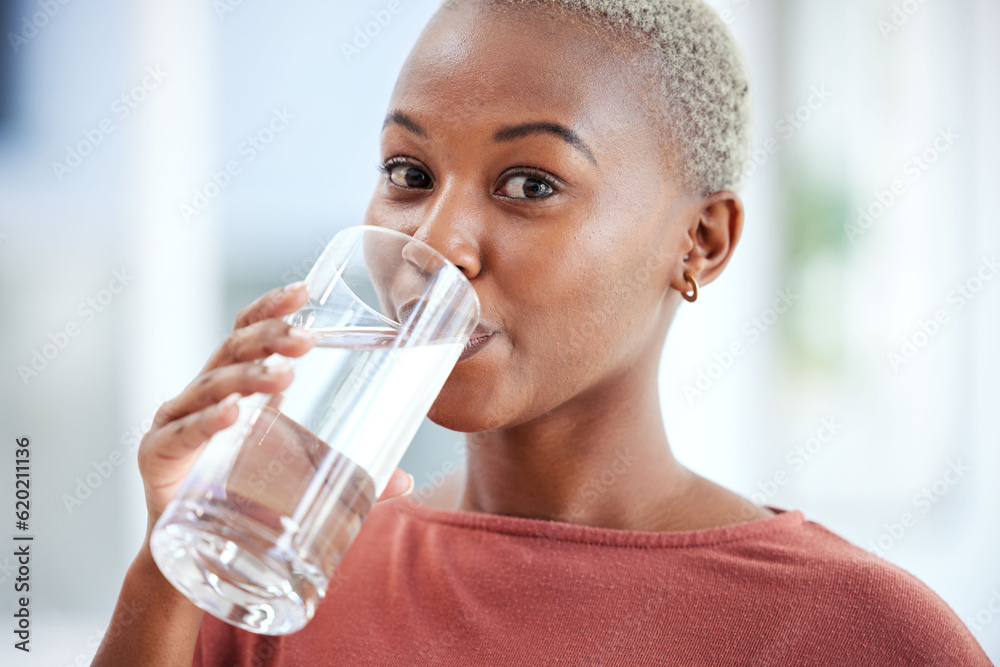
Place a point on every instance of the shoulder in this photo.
(887, 612)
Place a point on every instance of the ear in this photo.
(710, 240)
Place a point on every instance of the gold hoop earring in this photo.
(694, 286)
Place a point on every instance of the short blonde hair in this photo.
(704, 84)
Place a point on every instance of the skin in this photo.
(582, 281)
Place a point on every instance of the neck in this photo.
(601, 459)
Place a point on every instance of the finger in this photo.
(210, 388)
(165, 455)
(276, 303)
(260, 340)
(400, 484)
(273, 304)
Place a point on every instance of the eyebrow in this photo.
(400, 118)
(504, 134)
(569, 136)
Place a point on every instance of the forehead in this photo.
(477, 63)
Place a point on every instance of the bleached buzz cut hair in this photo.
(705, 94)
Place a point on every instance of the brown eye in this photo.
(408, 176)
(525, 187)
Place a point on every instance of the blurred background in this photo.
(845, 364)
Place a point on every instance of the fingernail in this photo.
(291, 287)
(229, 400)
(413, 483)
(304, 334)
(279, 367)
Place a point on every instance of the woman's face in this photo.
(523, 149)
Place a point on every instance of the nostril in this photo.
(403, 314)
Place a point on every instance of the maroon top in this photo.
(423, 586)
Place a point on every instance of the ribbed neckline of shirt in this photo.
(783, 521)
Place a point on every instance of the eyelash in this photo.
(520, 170)
(532, 172)
(389, 163)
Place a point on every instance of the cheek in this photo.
(614, 311)
(599, 319)
(400, 216)
(565, 319)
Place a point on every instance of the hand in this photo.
(183, 425)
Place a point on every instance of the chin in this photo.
(466, 409)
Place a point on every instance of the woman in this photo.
(579, 161)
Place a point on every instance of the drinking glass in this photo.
(273, 502)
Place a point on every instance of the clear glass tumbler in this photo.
(274, 501)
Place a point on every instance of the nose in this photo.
(450, 228)
(424, 259)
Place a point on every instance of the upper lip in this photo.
(484, 328)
